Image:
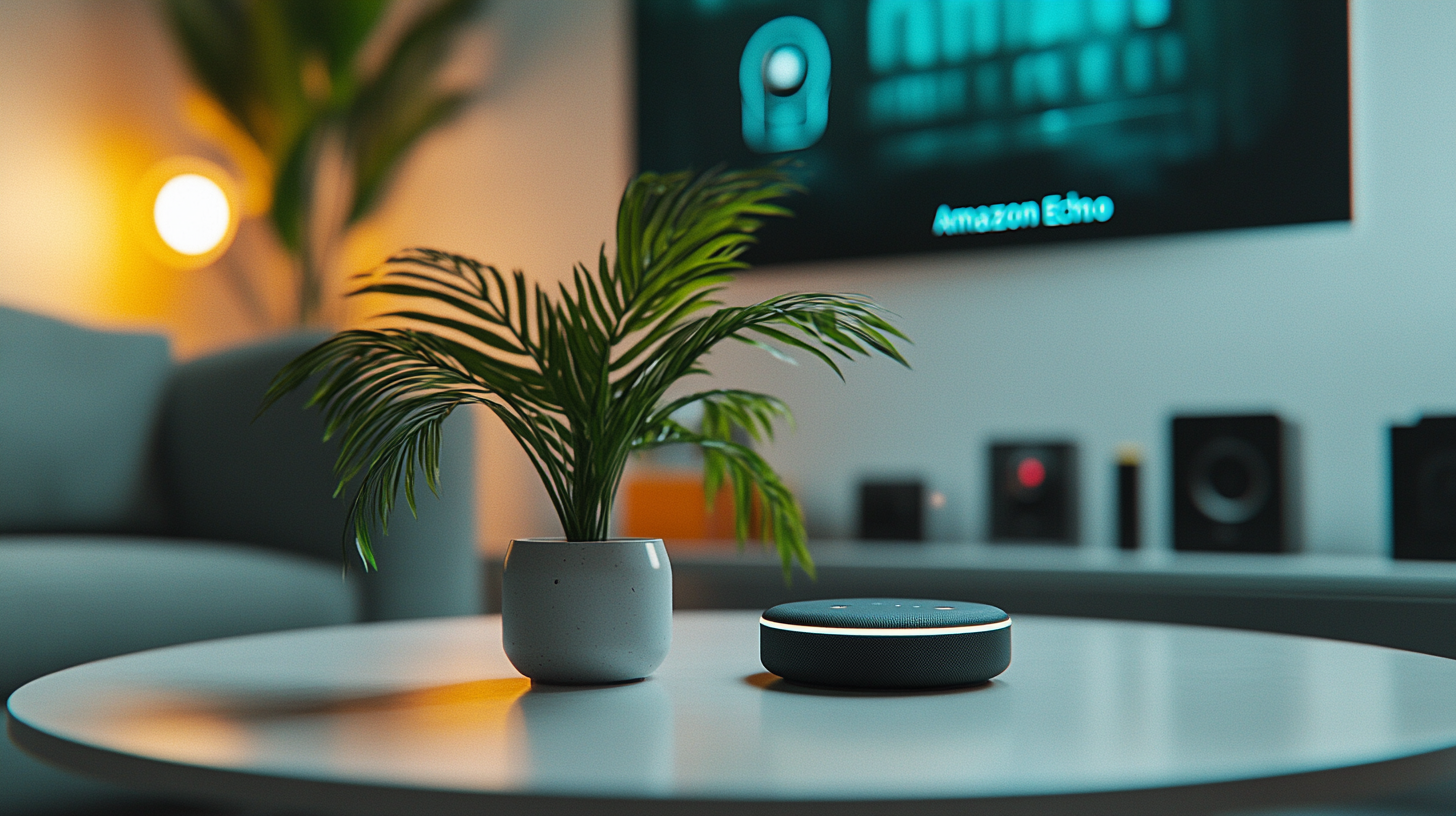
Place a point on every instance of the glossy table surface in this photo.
(1093, 716)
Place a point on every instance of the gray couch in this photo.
(141, 506)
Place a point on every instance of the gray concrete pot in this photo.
(586, 612)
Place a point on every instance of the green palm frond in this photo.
(288, 72)
(396, 107)
(579, 375)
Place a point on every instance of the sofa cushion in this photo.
(78, 410)
(277, 489)
(66, 599)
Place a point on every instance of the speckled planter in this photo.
(586, 612)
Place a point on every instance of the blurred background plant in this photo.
(331, 127)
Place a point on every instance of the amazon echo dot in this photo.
(885, 643)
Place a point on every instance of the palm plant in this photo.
(581, 378)
(289, 75)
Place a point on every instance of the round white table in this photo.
(428, 717)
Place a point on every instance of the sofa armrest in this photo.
(270, 483)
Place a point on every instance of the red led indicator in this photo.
(1030, 472)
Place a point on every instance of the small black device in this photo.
(1034, 492)
(892, 511)
(1129, 508)
(885, 643)
(1231, 485)
(1423, 489)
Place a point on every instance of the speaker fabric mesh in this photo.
(905, 643)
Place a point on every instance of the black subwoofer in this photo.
(1231, 484)
(1423, 489)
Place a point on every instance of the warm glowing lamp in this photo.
(192, 211)
(192, 214)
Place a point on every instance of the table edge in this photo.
(371, 799)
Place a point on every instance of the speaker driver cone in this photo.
(1229, 480)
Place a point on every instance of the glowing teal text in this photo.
(1074, 209)
(1052, 211)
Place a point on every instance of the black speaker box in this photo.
(1423, 489)
(1034, 492)
(892, 511)
(1233, 489)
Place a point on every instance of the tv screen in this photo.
(923, 125)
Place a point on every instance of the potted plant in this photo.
(580, 377)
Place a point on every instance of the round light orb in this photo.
(784, 70)
(192, 214)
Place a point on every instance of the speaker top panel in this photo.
(884, 613)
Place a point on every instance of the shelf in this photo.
(1409, 605)
(1299, 573)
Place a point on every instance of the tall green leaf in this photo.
(403, 102)
(289, 73)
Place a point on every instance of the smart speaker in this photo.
(885, 643)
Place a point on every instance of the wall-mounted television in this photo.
(924, 125)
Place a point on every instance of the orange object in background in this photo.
(671, 506)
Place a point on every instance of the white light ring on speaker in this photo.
(904, 632)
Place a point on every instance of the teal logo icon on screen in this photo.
(784, 80)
